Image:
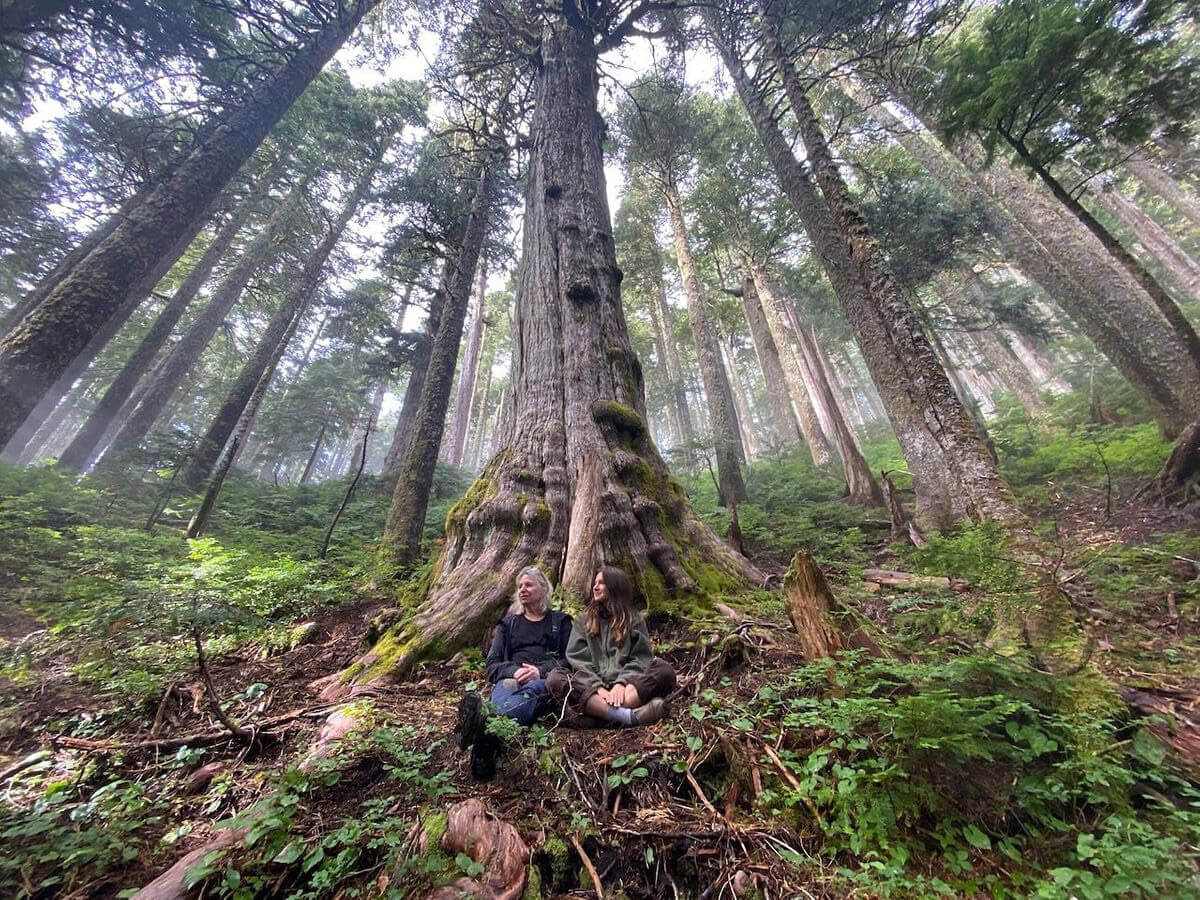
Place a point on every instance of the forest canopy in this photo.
(855, 342)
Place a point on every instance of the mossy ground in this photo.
(942, 770)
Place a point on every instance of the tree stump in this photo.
(494, 844)
(823, 624)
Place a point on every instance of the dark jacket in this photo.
(499, 659)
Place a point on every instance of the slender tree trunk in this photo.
(88, 441)
(1012, 370)
(793, 373)
(787, 428)
(481, 417)
(937, 504)
(290, 310)
(1046, 250)
(676, 405)
(578, 481)
(1154, 238)
(41, 445)
(741, 402)
(413, 391)
(466, 382)
(316, 451)
(1163, 184)
(722, 415)
(975, 476)
(154, 233)
(199, 521)
(185, 354)
(861, 486)
(410, 501)
(1158, 295)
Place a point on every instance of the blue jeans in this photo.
(522, 703)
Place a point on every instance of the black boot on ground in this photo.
(484, 755)
(470, 723)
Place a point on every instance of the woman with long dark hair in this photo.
(614, 673)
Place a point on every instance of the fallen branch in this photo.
(21, 765)
(214, 701)
(587, 863)
(206, 738)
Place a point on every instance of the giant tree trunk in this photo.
(77, 254)
(975, 476)
(299, 295)
(1162, 300)
(37, 352)
(722, 416)
(410, 500)
(783, 417)
(794, 376)
(465, 397)
(185, 354)
(88, 441)
(1162, 183)
(578, 482)
(1032, 237)
(937, 504)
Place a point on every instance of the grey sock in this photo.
(619, 714)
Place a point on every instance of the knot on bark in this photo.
(618, 416)
(647, 511)
(553, 191)
(626, 462)
(579, 291)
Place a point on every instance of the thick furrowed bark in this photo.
(937, 505)
(579, 481)
(37, 352)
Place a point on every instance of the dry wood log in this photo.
(824, 625)
(893, 578)
(494, 844)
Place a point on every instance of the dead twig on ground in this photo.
(214, 700)
(587, 863)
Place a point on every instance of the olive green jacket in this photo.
(599, 663)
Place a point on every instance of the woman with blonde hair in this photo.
(614, 673)
(526, 647)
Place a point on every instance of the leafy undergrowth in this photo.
(941, 771)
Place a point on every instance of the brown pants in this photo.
(657, 681)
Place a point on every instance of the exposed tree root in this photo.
(169, 885)
(494, 844)
(1176, 482)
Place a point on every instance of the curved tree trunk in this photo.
(406, 517)
(1056, 260)
(722, 415)
(290, 310)
(787, 428)
(155, 232)
(184, 355)
(86, 446)
(578, 482)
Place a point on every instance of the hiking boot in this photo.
(651, 712)
(484, 755)
(471, 720)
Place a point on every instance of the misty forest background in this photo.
(861, 334)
